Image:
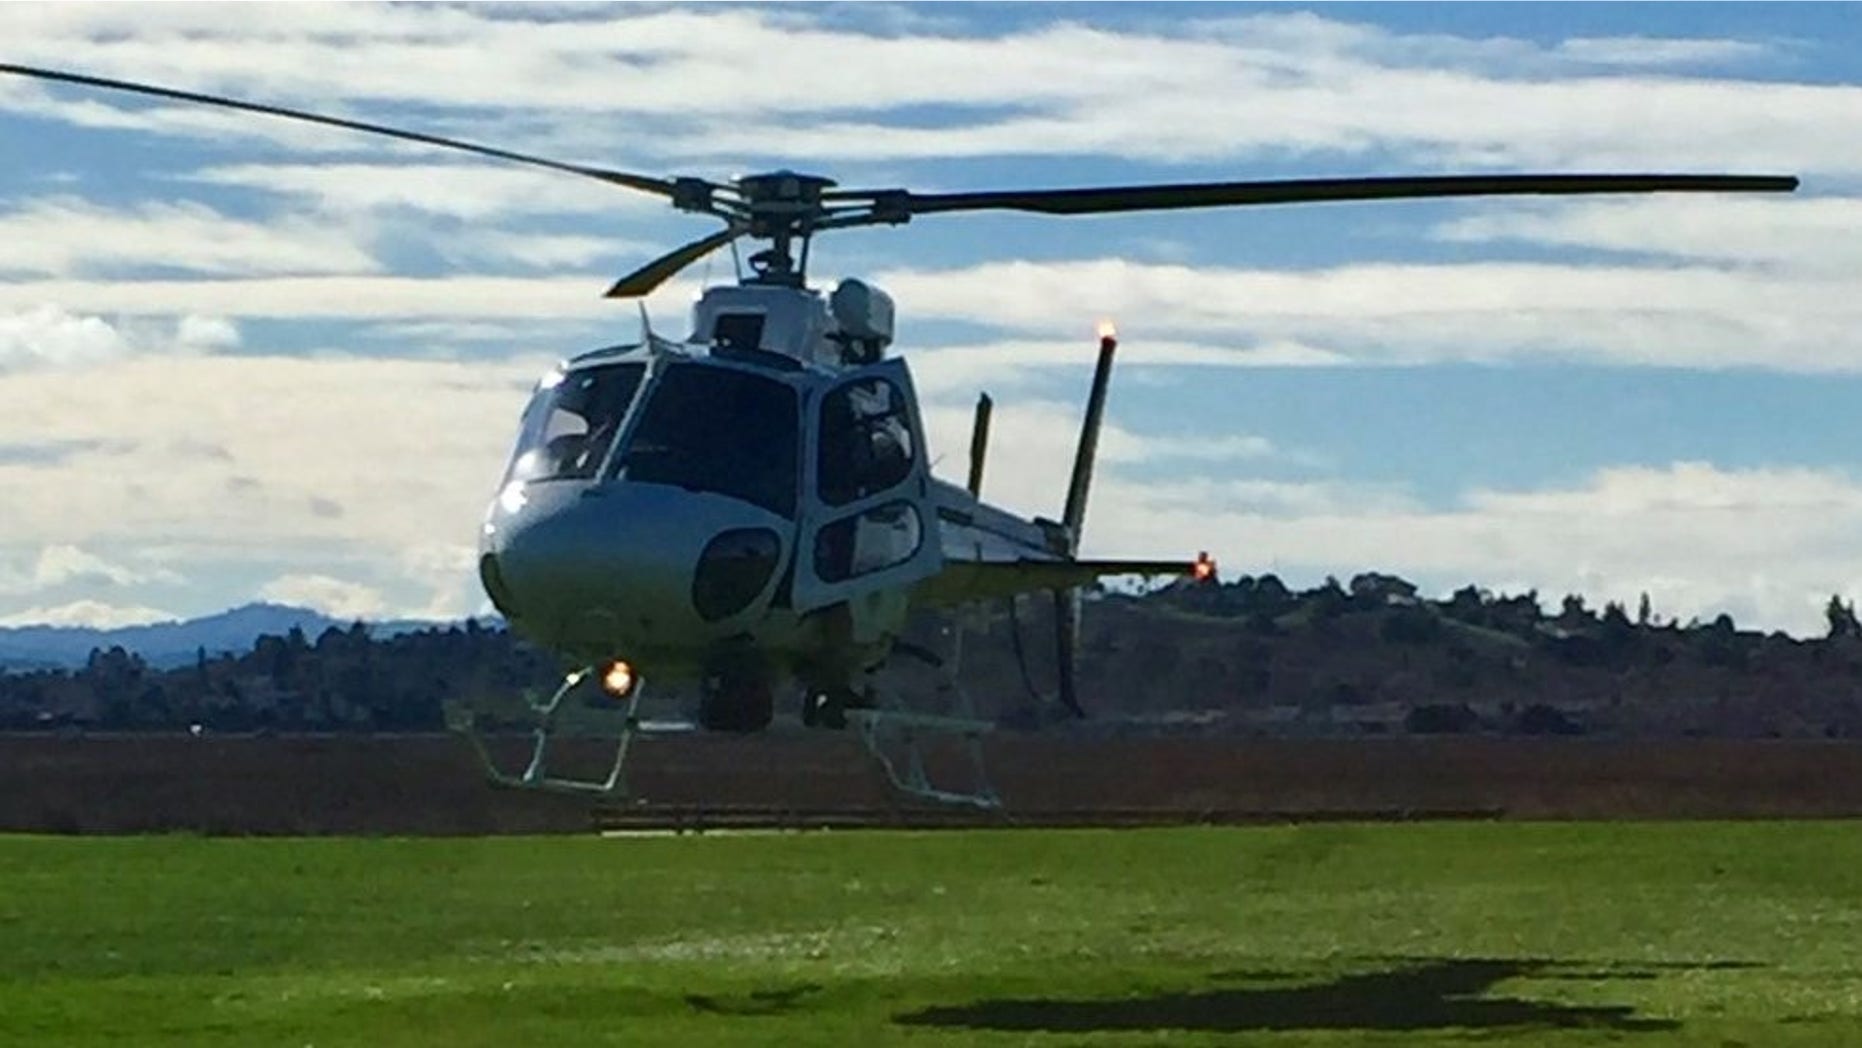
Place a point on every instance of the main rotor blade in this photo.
(645, 183)
(1108, 199)
(644, 280)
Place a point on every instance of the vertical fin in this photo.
(1067, 601)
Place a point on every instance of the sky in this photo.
(246, 359)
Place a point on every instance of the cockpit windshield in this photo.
(572, 421)
(709, 428)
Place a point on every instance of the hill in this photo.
(169, 644)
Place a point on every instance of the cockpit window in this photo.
(709, 428)
(572, 421)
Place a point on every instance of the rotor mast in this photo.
(782, 207)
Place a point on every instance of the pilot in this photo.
(866, 447)
(561, 452)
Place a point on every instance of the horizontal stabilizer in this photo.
(964, 581)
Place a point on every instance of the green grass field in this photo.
(1455, 933)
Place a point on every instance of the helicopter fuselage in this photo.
(722, 508)
(757, 500)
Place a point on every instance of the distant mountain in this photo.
(167, 644)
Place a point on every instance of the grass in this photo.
(1455, 933)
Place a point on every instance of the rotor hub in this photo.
(790, 189)
(781, 207)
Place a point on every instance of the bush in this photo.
(1411, 626)
(1441, 719)
(1540, 719)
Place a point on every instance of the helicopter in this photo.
(751, 506)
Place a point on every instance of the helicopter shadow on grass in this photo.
(1418, 994)
(756, 1002)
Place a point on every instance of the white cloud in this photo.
(466, 191)
(67, 236)
(1321, 94)
(1202, 449)
(323, 298)
(60, 564)
(1011, 362)
(91, 613)
(524, 333)
(1767, 546)
(206, 334)
(40, 336)
(370, 469)
(1401, 313)
(49, 335)
(542, 250)
(1032, 444)
(406, 450)
(1820, 235)
(359, 481)
(1643, 51)
(449, 572)
(736, 83)
(334, 597)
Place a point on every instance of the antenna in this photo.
(1082, 478)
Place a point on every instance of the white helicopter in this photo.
(753, 505)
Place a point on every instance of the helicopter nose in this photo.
(575, 569)
(627, 568)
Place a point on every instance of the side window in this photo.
(866, 441)
(881, 537)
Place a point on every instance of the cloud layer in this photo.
(164, 430)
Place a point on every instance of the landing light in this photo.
(512, 498)
(618, 679)
(1204, 569)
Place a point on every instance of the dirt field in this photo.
(431, 784)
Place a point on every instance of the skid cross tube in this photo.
(881, 728)
(876, 726)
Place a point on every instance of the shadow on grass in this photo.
(1422, 994)
(756, 1002)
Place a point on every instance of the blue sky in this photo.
(241, 359)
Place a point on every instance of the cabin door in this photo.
(868, 534)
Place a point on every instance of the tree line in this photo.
(1366, 637)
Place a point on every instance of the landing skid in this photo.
(896, 737)
(620, 726)
(896, 730)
